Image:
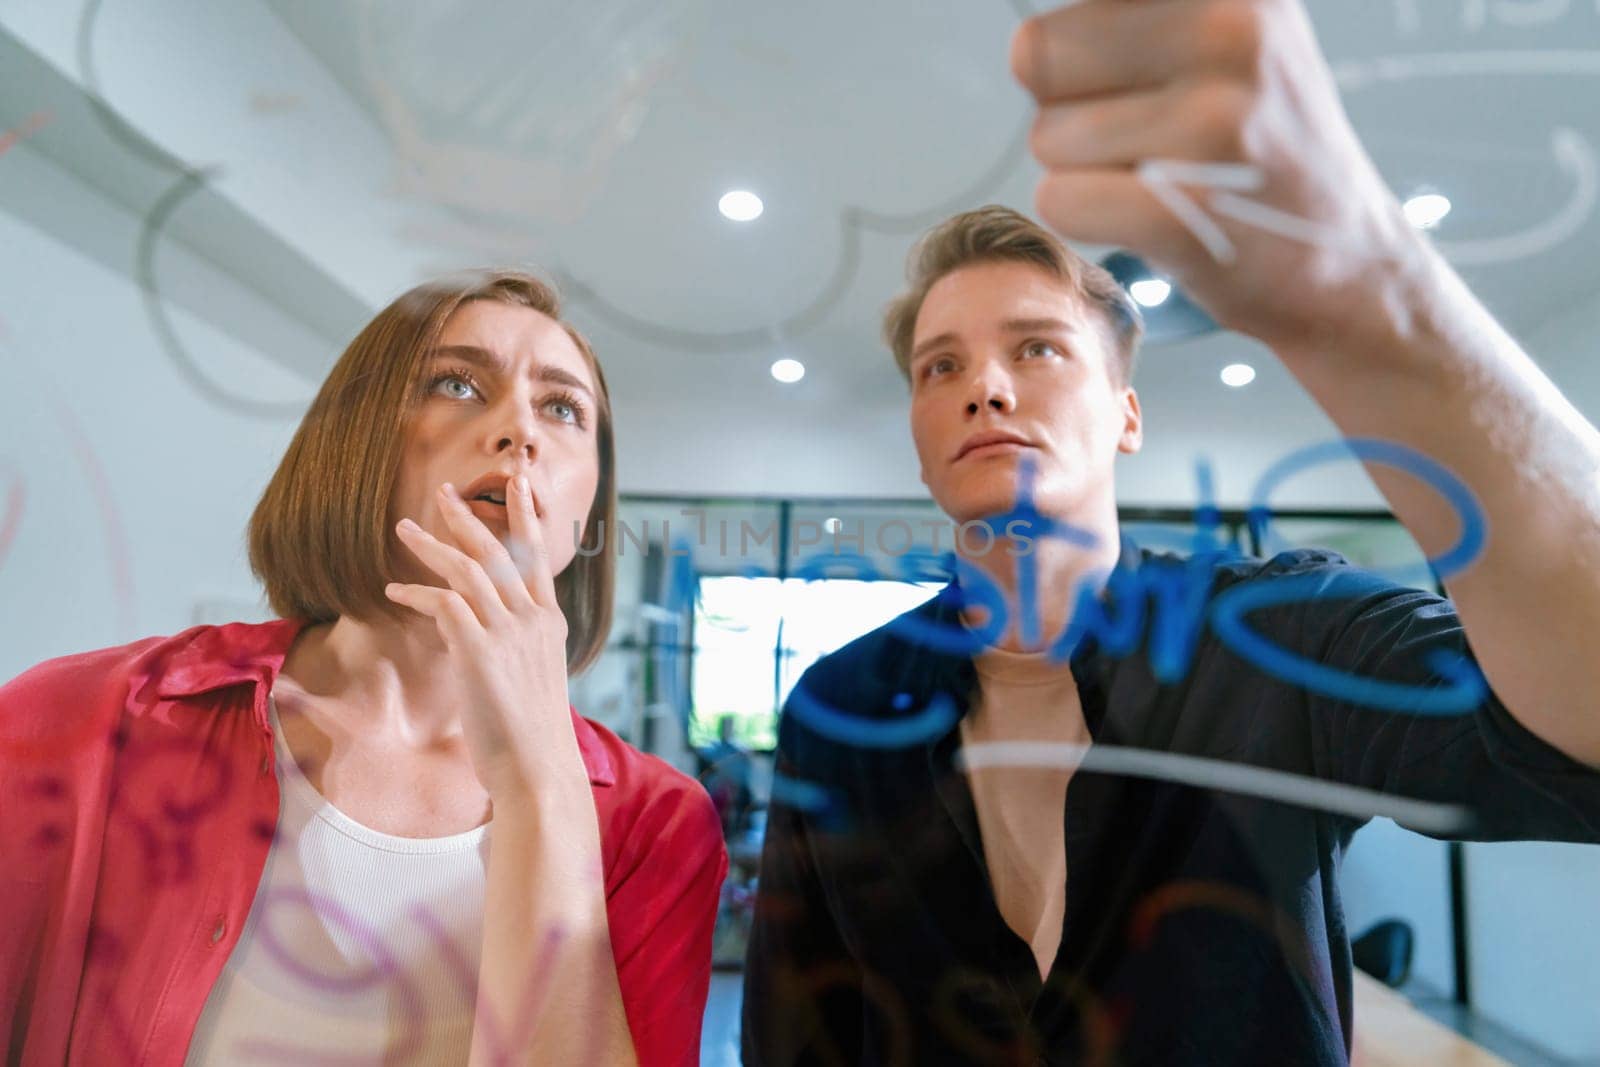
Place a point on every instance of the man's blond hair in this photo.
(996, 234)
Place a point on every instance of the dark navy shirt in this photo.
(1202, 926)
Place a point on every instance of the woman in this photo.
(371, 830)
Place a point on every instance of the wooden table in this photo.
(1390, 1032)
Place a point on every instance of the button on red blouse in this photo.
(137, 808)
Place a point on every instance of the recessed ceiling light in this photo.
(740, 205)
(788, 371)
(832, 525)
(1427, 210)
(1238, 374)
(1151, 292)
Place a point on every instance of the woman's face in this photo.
(506, 392)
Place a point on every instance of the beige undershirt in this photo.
(1025, 697)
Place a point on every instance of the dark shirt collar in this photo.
(934, 671)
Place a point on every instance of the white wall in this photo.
(129, 495)
(1535, 942)
(1392, 873)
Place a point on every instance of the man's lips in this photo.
(987, 444)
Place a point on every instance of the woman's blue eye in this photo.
(566, 408)
(445, 380)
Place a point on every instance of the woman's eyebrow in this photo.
(485, 357)
(548, 373)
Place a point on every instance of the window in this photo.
(755, 637)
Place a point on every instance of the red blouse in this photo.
(137, 806)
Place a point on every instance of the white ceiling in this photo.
(386, 142)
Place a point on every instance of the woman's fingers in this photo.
(447, 608)
(529, 552)
(481, 545)
(461, 571)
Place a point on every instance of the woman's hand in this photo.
(508, 640)
(547, 989)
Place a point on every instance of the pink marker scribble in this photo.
(193, 780)
(11, 515)
(385, 972)
(54, 831)
(36, 122)
(110, 520)
(502, 1050)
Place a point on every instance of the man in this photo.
(942, 908)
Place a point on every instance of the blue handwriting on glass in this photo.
(1175, 593)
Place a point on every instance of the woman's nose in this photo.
(523, 443)
(518, 433)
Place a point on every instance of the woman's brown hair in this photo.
(320, 537)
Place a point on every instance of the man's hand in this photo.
(1208, 137)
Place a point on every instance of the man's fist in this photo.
(1208, 136)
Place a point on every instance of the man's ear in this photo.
(1132, 438)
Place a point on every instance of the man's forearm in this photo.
(548, 989)
(1430, 369)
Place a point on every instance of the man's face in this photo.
(1007, 364)
(505, 392)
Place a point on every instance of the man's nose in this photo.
(992, 391)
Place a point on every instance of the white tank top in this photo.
(360, 947)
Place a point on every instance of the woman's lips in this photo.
(497, 512)
(490, 512)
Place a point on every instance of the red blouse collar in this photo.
(216, 657)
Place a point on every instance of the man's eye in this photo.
(942, 365)
(1040, 348)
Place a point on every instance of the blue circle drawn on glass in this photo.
(907, 727)
(920, 564)
(800, 794)
(1474, 532)
(1202, 541)
(932, 722)
(822, 564)
(1465, 686)
(973, 588)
